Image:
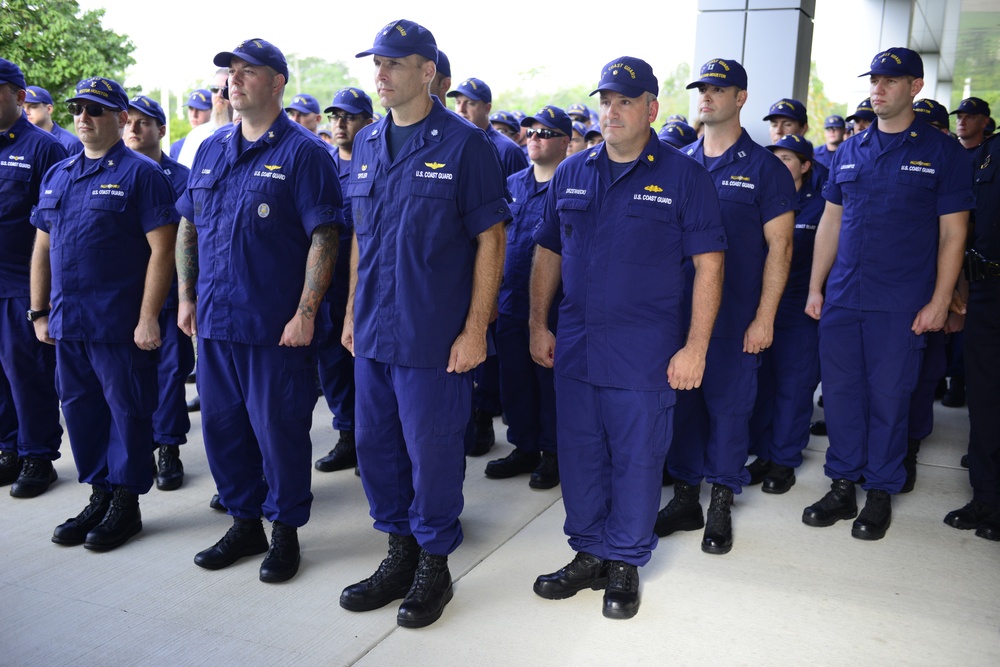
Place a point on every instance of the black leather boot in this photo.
(244, 538)
(584, 571)
(683, 512)
(344, 454)
(758, 470)
(75, 530)
(35, 478)
(910, 464)
(840, 502)
(282, 559)
(10, 467)
(779, 480)
(484, 435)
(621, 597)
(430, 592)
(391, 581)
(875, 518)
(546, 475)
(169, 469)
(122, 521)
(719, 527)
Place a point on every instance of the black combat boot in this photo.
(122, 521)
(430, 592)
(683, 512)
(391, 581)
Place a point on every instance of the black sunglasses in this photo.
(215, 90)
(93, 110)
(543, 134)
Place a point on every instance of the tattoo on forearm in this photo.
(186, 256)
(319, 268)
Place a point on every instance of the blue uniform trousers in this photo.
(712, 426)
(29, 405)
(256, 412)
(786, 381)
(982, 372)
(612, 445)
(871, 362)
(527, 390)
(108, 393)
(932, 369)
(486, 396)
(410, 424)
(170, 420)
(336, 365)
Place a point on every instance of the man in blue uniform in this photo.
(103, 259)
(834, 131)
(429, 204)
(862, 117)
(145, 129)
(621, 221)
(29, 407)
(903, 185)
(38, 106)
(350, 112)
(982, 351)
(971, 118)
(304, 110)
(526, 389)
(255, 255)
(757, 198)
(199, 105)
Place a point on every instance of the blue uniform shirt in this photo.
(792, 307)
(178, 175)
(893, 197)
(823, 155)
(512, 158)
(26, 153)
(97, 214)
(754, 187)
(337, 294)
(527, 209)
(416, 221)
(70, 141)
(986, 232)
(255, 213)
(623, 246)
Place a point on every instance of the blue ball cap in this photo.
(834, 121)
(506, 118)
(932, 111)
(555, 118)
(148, 106)
(258, 52)
(200, 99)
(721, 72)
(37, 95)
(629, 76)
(303, 103)
(11, 73)
(864, 111)
(351, 100)
(403, 38)
(578, 110)
(443, 64)
(475, 89)
(103, 91)
(677, 117)
(594, 129)
(678, 134)
(579, 127)
(795, 143)
(788, 108)
(973, 105)
(897, 61)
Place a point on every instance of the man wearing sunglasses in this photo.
(102, 262)
(29, 407)
(222, 115)
(350, 112)
(623, 222)
(526, 389)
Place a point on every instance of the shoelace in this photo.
(620, 577)
(32, 468)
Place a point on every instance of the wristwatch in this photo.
(37, 314)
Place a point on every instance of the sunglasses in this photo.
(215, 90)
(343, 117)
(93, 110)
(543, 134)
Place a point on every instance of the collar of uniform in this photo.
(109, 161)
(910, 135)
(18, 129)
(271, 136)
(738, 151)
(433, 123)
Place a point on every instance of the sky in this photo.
(538, 48)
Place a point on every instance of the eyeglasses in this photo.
(215, 90)
(543, 134)
(344, 117)
(93, 110)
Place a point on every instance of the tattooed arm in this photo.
(186, 252)
(319, 272)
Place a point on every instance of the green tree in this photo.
(319, 78)
(819, 106)
(56, 45)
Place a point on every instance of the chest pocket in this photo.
(848, 180)
(15, 186)
(46, 209)
(267, 200)
(916, 179)
(573, 224)
(108, 225)
(201, 188)
(737, 194)
(360, 195)
(431, 207)
(986, 174)
(647, 234)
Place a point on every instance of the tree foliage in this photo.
(317, 77)
(56, 45)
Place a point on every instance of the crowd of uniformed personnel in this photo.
(643, 308)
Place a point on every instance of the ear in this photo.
(654, 110)
(122, 119)
(741, 98)
(429, 70)
(163, 131)
(916, 87)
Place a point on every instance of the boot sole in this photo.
(170, 485)
(597, 585)
(282, 577)
(620, 614)
(223, 564)
(825, 523)
(868, 535)
(717, 551)
(543, 485)
(690, 524)
(377, 604)
(424, 622)
(132, 532)
(778, 490)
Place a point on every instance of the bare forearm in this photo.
(159, 271)
(486, 278)
(825, 246)
(706, 296)
(951, 253)
(187, 261)
(352, 283)
(546, 274)
(41, 272)
(776, 266)
(319, 269)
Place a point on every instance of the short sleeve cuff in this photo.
(712, 239)
(479, 220)
(955, 202)
(322, 215)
